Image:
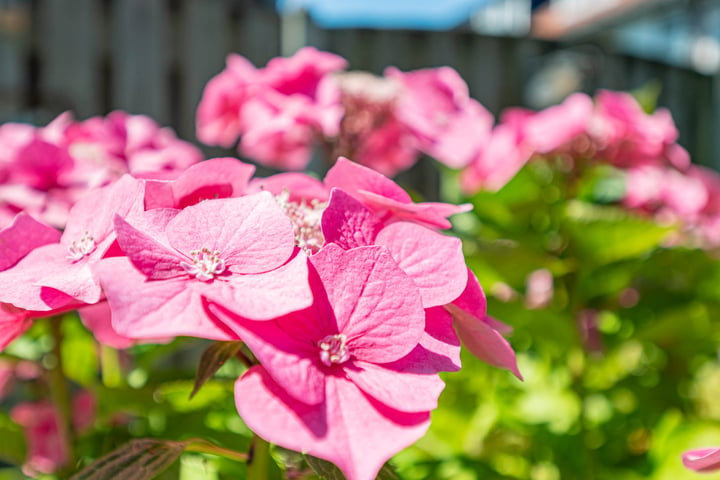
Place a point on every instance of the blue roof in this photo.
(386, 14)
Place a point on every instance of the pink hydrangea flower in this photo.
(341, 380)
(502, 157)
(435, 104)
(237, 251)
(54, 275)
(46, 451)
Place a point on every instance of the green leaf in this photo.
(211, 360)
(12, 447)
(329, 471)
(607, 234)
(79, 352)
(140, 459)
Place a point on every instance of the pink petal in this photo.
(150, 255)
(347, 223)
(13, 323)
(375, 303)
(292, 360)
(94, 213)
(407, 385)
(349, 429)
(213, 178)
(441, 343)
(19, 284)
(703, 459)
(251, 233)
(74, 279)
(472, 299)
(22, 236)
(483, 341)
(256, 296)
(97, 319)
(146, 309)
(300, 186)
(352, 177)
(434, 261)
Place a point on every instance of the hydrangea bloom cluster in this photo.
(45, 170)
(281, 112)
(610, 129)
(346, 291)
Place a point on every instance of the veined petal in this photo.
(434, 261)
(376, 305)
(406, 385)
(143, 309)
(251, 233)
(356, 433)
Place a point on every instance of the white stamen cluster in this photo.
(82, 247)
(305, 218)
(206, 264)
(333, 349)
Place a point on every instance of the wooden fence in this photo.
(155, 56)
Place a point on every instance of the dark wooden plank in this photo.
(68, 48)
(204, 42)
(140, 77)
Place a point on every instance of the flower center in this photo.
(333, 349)
(206, 264)
(306, 221)
(81, 248)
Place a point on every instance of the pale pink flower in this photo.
(627, 136)
(345, 379)
(237, 251)
(371, 132)
(435, 104)
(498, 162)
(220, 120)
(539, 288)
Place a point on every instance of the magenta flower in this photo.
(238, 252)
(386, 198)
(703, 459)
(345, 379)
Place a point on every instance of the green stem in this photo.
(203, 446)
(59, 391)
(112, 376)
(258, 460)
